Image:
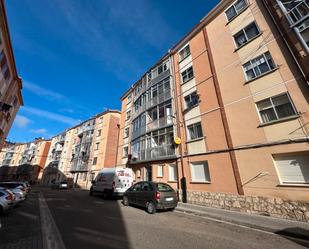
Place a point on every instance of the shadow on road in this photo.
(87, 222)
(296, 234)
(21, 225)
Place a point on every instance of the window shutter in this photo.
(293, 169)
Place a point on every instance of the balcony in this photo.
(156, 153)
(138, 132)
(79, 165)
(140, 110)
(296, 11)
(6, 162)
(159, 123)
(158, 99)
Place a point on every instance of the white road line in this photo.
(50, 234)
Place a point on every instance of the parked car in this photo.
(18, 189)
(60, 185)
(151, 195)
(112, 182)
(6, 200)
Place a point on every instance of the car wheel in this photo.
(151, 208)
(125, 201)
(91, 192)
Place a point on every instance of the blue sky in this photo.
(76, 57)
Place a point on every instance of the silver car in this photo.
(6, 200)
(18, 189)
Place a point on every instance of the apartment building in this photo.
(24, 161)
(10, 83)
(224, 114)
(265, 98)
(79, 153)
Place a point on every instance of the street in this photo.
(86, 222)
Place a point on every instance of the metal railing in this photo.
(158, 152)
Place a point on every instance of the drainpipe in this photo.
(118, 127)
(183, 181)
(223, 117)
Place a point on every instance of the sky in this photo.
(76, 58)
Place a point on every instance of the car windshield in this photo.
(162, 187)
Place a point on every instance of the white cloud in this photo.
(41, 131)
(50, 115)
(43, 92)
(21, 121)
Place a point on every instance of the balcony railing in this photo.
(155, 153)
(79, 165)
(6, 162)
(296, 12)
(139, 111)
(159, 99)
(159, 123)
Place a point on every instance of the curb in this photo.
(287, 233)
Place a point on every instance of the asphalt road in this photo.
(86, 222)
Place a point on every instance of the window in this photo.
(246, 34)
(125, 151)
(94, 162)
(146, 186)
(200, 172)
(235, 9)
(195, 131)
(275, 108)
(191, 100)
(293, 169)
(172, 170)
(126, 132)
(128, 115)
(138, 173)
(129, 99)
(184, 53)
(99, 133)
(97, 146)
(187, 75)
(160, 171)
(163, 67)
(258, 66)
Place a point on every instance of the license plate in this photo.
(169, 198)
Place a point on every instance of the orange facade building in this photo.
(10, 83)
(223, 116)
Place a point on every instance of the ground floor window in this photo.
(172, 170)
(200, 172)
(160, 171)
(292, 169)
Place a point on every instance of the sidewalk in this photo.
(274, 225)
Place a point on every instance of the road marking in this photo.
(50, 234)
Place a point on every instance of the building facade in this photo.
(223, 116)
(79, 153)
(24, 161)
(10, 83)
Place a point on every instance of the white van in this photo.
(112, 182)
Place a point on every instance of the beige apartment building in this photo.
(79, 153)
(24, 161)
(223, 116)
(10, 83)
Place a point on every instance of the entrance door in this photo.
(148, 173)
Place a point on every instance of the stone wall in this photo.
(268, 206)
